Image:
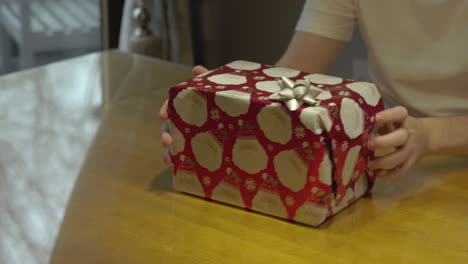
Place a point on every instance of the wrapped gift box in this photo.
(275, 140)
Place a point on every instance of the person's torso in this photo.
(418, 52)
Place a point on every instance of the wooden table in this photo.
(82, 181)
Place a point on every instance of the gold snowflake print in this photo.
(299, 132)
(207, 181)
(187, 130)
(214, 113)
(344, 146)
(356, 174)
(250, 185)
(231, 126)
(227, 159)
(289, 201)
(270, 148)
(317, 145)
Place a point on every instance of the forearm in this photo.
(447, 135)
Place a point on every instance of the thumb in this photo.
(163, 112)
(197, 70)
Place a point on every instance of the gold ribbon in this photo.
(295, 94)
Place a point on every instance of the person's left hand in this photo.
(406, 134)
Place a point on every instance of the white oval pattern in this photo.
(325, 170)
(207, 151)
(268, 86)
(178, 140)
(361, 186)
(291, 170)
(269, 118)
(227, 79)
(323, 79)
(316, 119)
(269, 202)
(349, 164)
(244, 65)
(352, 118)
(227, 193)
(311, 213)
(367, 90)
(190, 101)
(233, 103)
(324, 95)
(349, 196)
(281, 72)
(249, 155)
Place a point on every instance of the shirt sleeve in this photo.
(334, 19)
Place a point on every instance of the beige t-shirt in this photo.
(418, 49)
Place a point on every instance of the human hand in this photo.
(406, 134)
(166, 137)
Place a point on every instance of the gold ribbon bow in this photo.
(294, 95)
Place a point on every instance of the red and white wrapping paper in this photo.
(235, 145)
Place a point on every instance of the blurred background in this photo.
(37, 32)
(207, 32)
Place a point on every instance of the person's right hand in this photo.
(166, 137)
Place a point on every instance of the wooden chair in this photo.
(49, 25)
